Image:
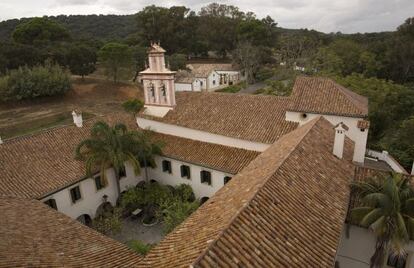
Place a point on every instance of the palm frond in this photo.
(371, 217)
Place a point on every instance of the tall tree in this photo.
(247, 57)
(387, 209)
(109, 147)
(40, 31)
(147, 150)
(115, 57)
(82, 60)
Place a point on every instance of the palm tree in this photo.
(147, 150)
(387, 209)
(109, 147)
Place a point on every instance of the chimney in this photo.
(77, 119)
(338, 148)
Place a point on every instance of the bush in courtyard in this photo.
(109, 223)
(172, 206)
(177, 212)
(185, 192)
(139, 247)
(30, 83)
(133, 106)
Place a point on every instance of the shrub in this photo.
(110, 223)
(264, 73)
(233, 88)
(177, 212)
(185, 192)
(139, 247)
(30, 83)
(133, 106)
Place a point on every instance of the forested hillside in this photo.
(377, 65)
(105, 27)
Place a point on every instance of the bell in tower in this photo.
(158, 83)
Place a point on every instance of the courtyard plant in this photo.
(109, 147)
(160, 203)
(385, 205)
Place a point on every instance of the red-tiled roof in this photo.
(215, 156)
(285, 209)
(36, 165)
(34, 235)
(248, 117)
(324, 96)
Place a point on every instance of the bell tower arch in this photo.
(158, 83)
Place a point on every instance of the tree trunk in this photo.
(118, 184)
(146, 169)
(380, 254)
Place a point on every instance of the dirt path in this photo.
(94, 96)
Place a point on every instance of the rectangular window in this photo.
(99, 183)
(205, 177)
(227, 179)
(166, 166)
(51, 203)
(75, 194)
(185, 172)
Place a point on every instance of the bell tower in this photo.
(158, 83)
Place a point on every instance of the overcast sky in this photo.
(347, 16)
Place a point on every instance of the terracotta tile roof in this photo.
(248, 117)
(204, 69)
(324, 96)
(36, 165)
(34, 235)
(285, 209)
(219, 157)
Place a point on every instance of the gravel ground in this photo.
(132, 229)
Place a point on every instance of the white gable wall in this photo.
(91, 198)
(183, 87)
(200, 189)
(354, 133)
(199, 135)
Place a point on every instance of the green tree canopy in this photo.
(386, 207)
(115, 57)
(82, 59)
(40, 31)
(109, 147)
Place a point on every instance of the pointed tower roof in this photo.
(156, 48)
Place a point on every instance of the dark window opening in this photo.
(75, 194)
(51, 203)
(122, 172)
(99, 183)
(185, 171)
(304, 116)
(227, 179)
(166, 166)
(205, 177)
(203, 200)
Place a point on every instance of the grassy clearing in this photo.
(40, 124)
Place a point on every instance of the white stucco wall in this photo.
(183, 87)
(200, 189)
(354, 133)
(91, 198)
(211, 85)
(158, 111)
(200, 135)
(356, 250)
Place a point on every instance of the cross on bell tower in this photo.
(158, 83)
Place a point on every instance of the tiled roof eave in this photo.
(353, 115)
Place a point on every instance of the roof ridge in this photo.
(310, 126)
